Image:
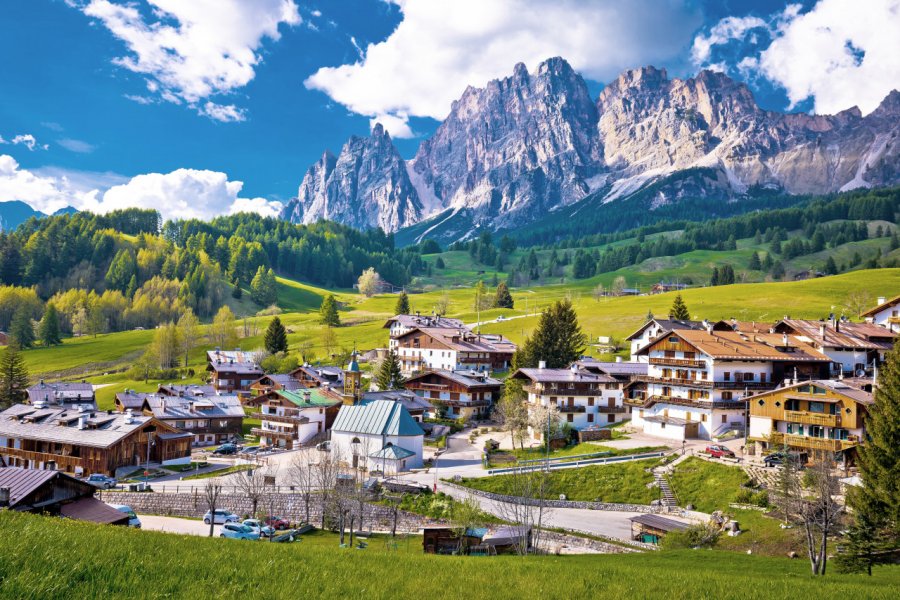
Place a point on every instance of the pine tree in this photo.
(439, 263)
(236, 291)
(754, 264)
(778, 271)
(21, 330)
(876, 504)
(263, 289)
(328, 312)
(557, 339)
(13, 376)
(714, 280)
(830, 266)
(895, 241)
(275, 339)
(679, 310)
(402, 307)
(48, 331)
(503, 299)
(388, 376)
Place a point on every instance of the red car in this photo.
(717, 451)
(278, 523)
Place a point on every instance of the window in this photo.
(570, 417)
(673, 339)
(590, 417)
(726, 395)
(724, 418)
(703, 418)
(727, 375)
(610, 418)
(590, 401)
(817, 407)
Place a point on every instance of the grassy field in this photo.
(620, 483)
(580, 449)
(67, 559)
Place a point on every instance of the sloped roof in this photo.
(409, 400)
(614, 368)
(423, 321)
(844, 335)
(562, 376)
(666, 325)
(839, 387)
(94, 510)
(465, 378)
(464, 340)
(392, 452)
(185, 407)
(22, 482)
(104, 430)
(734, 345)
(380, 417)
(892, 302)
(189, 389)
(309, 398)
(658, 522)
(60, 392)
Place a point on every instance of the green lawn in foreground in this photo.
(68, 559)
(619, 482)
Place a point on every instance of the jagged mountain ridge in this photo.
(532, 143)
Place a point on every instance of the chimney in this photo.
(542, 364)
(162, 405)
(881, 300)
(618, 359)
(822, 330)
(4, 497)
(784, 339)
(82, 422)
(191, 406)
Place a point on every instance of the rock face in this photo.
(365, 186)
(532, 143)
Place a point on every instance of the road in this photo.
(176, 525)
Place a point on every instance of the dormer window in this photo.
(673, 339)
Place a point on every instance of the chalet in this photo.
(584, 399)
(457, 394)
(698, 381)
(652, 330)
(850, 346)
(362, 433)
(62, 393)
(274, 382)
(190, 390)
(294, 418)
(319, 376)
(667, 286)
(885, 314)
(130, 400)
(817, 415)
(86, 441)
(402, 324)
(624, 371)
(209, 419)
(414, 405)
(54, 493)
(433, 348)
(232, 370)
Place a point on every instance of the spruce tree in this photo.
(275, 339)
(754, 264)
(48, 331)
(388, 376)
(830, 267)
(679, 310)
(778, 271)
(402, 307)
(503, 298)
(13, 376)
(328, 312)
(557, 339)
(236, 291)
(439, 263)
(21, 330)
(876, 504)
(714, 280)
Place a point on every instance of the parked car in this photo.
(250, 450)
(718, 451)
(221, 516)
(133, 520)
(238, 531)
(102, 481)
(277, 522)
(776, 459)
(257, 526)
(226, 449)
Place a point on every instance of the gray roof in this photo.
(563, 376)
(423, 321)
(466, 378)
(189, 389)
(177, 407)
(132, 400)
(379, 417)
(284, 380)
(233, 361)
(614, 368)
(59, 424)
(678, 422)
(61, 392)
(409, 400)
(658, 522)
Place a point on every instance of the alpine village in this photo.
(588, 334)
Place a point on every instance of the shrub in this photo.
(761, 499)
(744, 496)
(701, 535)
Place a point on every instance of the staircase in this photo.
(667, 496)
(729, 431)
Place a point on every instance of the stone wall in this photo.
(642, 508)
(288, 505)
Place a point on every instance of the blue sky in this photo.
(232, 100)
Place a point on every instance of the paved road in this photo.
(176, 525)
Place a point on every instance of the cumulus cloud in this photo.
(181, 194)
(25, 139)
(192, 51)
(439, 48)
(838, 54)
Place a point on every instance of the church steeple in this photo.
(352, 381)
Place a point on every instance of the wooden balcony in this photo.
(611, 409)
(812, 418)
(692, 402)
(63, 462)
(565, 408)
(678, 362)
(697, 383)
(270, 433)
(288, 418)
(811, 443)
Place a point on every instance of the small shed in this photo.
(649, 528)
(445, 540)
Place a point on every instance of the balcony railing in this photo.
(566, 408)
(678, 362)
(271, 433)
(288, 418)
(693, 402)
(812, 443)
(547, 390)
(611, 409)
(699, 383)
(812, 418)
(64, 462)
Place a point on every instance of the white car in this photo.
(221, 517)
(259, 528)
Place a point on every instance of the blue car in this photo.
(239, 531)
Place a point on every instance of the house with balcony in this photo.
(84, 441)
(698, 382)
(624, 371)
(62, 393)
(886, 314)
(457, 349)
(457, 394)
(652, 330)
(811, 416)
(292, 419)
(583, 399)
(232, 371)
(416, 407)
(403, 324)
(319, 376)
(275, 381)
(209, 419)
(852, 347)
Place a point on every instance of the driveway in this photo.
(176, 525)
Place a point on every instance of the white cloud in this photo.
(192, 51)
(79, 146)
(25, 139)
(439, 48)
(396, 125)
(181, 194)
(839, 54)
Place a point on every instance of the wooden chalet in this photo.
(460, 394)
(232, 371)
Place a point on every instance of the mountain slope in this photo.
(532, 144)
